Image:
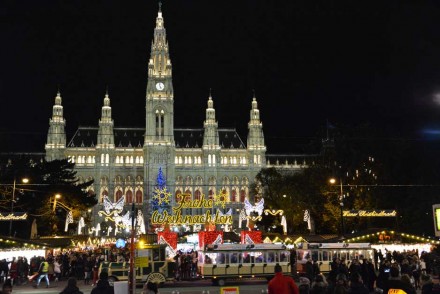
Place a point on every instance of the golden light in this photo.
(57, 196)
(25, 180)
(332, 181)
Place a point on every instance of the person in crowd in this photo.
(408, 281)
(341, 285)
(13, 271)
(56, 270)
(368, 274)
(356, 285)
(88, 267)
(319, 285)
(43, 273)
(103, 286)
(395, 282)
(150, 288)
(281, 284)
(7, 287)
(427, 284)
(309, 269)
(304, 285)
(71, 287)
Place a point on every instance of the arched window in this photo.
(188, 194)
(197, 194)
(129, 196)
(242, 195)
(103, 193)
(139, 196)
(234, 197)
(118, 195)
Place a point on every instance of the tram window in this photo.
(285, 256)
(314, 255)
(246, 257)
(220, 259)
(156, 255)
(277, 256)
(325, 256)
(234, 258)
(271, 257)
(259, 257)
(162, 253)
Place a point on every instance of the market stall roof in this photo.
(13, 242)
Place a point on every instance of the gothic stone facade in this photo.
(125, 161)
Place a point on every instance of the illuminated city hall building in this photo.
(126, 161)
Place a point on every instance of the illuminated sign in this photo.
(229, 290)
(369, 213)
(184, 201)
(16, 216)
(436, 213)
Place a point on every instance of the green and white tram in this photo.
(232, 261)
(324, 253)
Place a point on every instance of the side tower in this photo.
(211, 147)
(159, 129)
(56, 136)
(106, 138)
(255, 140)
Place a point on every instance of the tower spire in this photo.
(255, 140)
(56, 135)
(210, 138)
(105, 133)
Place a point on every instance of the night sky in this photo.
(348, 62)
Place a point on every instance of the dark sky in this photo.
(348, 62)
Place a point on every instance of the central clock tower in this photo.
(159, 104)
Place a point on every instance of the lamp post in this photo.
(24, 181)
(341, 203)
(57, 196)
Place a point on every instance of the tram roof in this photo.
(244, 247)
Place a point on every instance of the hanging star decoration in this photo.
(162, 195)
(220, 199)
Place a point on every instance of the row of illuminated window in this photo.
(120, 160)
(235, 194)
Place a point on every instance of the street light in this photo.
(57, 196)
(341, 203)
(24, 181)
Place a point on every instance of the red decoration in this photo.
(255, 236)
(170, 237)
(206, 238)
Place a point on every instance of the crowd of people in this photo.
(407, 271)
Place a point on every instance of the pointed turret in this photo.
(210, 137)
(255, 140)
(106, 137)
(56, 136)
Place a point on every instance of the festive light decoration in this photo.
(273, 212)
(308, 219)
(140, 223)
(176, 218)
(226, 213)
(251, 237)
(110, 207)
(258, 207)
(16, 216)
(220, 199)
(284, 224)
(161, 197)
(169, 238)
(206, 238)
(69, 220)
(81, 225)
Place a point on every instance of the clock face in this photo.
(160, 86)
